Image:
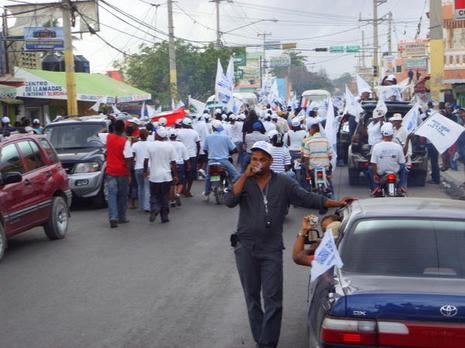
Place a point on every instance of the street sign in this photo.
(459, 9)
(289, 45)
(272, 45)
(280, 61)
(352, 49)
(336, 49)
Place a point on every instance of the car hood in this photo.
(79, 155)
(403, 298)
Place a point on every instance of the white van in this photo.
(315, 95)
(246, 97)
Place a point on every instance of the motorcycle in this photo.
(219, 181)
(320, 182)
(389, 186)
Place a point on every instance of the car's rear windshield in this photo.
(75, 135)
(406, 247)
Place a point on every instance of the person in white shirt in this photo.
(269, 126)
(235, 130)
(162, 157)
(200, 126)
(191, 139)
(294, 139)
(387, 157)
(374, 127)
(143, 189)
(280, 153)
(182, 163)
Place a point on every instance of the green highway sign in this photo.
(353, 49)
(336, 49)
(240, 57)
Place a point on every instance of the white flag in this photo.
(362, 86)
(223, 86)
(412, 119)
(326, 256)
(381, 105)
(236, 105)
(331, 132)
(441, 131)
(143, 115)
(151, 111)
(99, 101)
(230, 71)
(352, 107)
(197, 106)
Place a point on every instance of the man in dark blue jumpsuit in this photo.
(264, 197)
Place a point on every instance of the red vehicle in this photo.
(34, 188)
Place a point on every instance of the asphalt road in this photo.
(145, 285)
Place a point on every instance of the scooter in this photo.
(389, 186)
(219, 181)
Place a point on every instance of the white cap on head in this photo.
(218, 111)
(391, 78)
(263, 146)
(162, 132)
(207, 116)
(217, 124)
(172, 133)
(295, 122)
(241, 117)
(377, 113)
(233, 117)
(396, 117)
(36, 121)
(274, 117)
(272, 133)
(5, 119)
(224, 116)
(387, 129)
(163, 121)
(187, 121)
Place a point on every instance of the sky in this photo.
(309, 23)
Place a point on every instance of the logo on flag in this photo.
(326, 256)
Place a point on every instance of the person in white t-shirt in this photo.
(202, 129)
(387, 156)
(143, 188)
(374, 127)
(191, 139)
(269, 126)
(294, 139)
(182, 162)
(162, 157)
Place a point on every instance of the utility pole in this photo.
(390, 33)
(436, 48)
(263, 60)
(375, 20)
(4, 43)
(218, 31)
(363, 48)
(72, 105)
(172, 53)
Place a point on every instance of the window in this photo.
(52, 155)
(407, 247)
(31, 154)
(10, 161)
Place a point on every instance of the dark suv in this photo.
(34, 188)
(360, 151)
(82, 154)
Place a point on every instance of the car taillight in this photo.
(346, 331)
(363, 332)
(363, 165)
(391, 178)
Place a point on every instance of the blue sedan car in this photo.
(403, 279)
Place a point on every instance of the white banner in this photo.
(198, 106)
(441, 131)
(326, 256)
(389, 93)
(331, 128)
(223, 86)
(352, 106)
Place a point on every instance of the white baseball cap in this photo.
(162, 132)
(162, 121)
(172, 133)
(263, 146)
(187, 121)
(377, 113)
(217, 124)
(36, 121)
(5, 119)
(233, 117)
(224, 116)
(391, 78)
(272, 133)
(295, 122)
(274, 117)
(387, 129)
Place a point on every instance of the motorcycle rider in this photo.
(218, 146)
(387, 157)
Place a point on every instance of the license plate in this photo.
(215, 178)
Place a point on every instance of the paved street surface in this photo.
(144, 285)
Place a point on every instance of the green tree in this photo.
(196, 70)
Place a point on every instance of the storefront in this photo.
(44, 93)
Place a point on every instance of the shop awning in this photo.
(90, 87)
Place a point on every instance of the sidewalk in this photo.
(454, 181)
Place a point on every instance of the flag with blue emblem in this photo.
(412, 119)
(326, 256)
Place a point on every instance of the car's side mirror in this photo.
(10, 178)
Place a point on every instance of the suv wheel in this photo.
(57, 224)
(2, 241)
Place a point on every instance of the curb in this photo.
(452, 187)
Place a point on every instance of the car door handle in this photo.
(27, 182)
